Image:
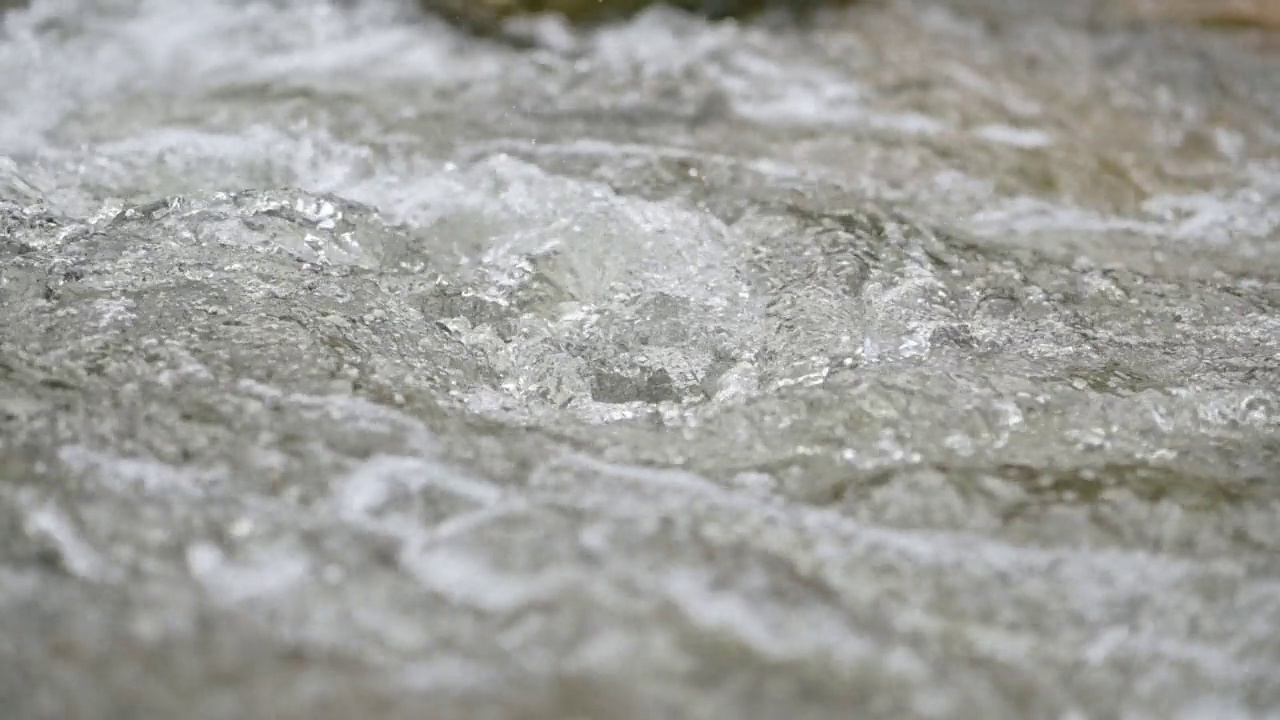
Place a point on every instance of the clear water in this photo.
(922, 363)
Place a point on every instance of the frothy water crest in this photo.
(919, 363)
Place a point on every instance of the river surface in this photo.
(923, 362)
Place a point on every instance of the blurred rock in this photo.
(486, 16)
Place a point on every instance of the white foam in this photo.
(127, 475)
(1014, 136)
(263, 574)
(471, 581)
(77, 554)
(372, 483)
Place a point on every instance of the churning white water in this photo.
(920, 363)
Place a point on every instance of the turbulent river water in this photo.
(921, 362)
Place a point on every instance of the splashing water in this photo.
(920, 363)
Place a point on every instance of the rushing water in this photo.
(924, 362)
